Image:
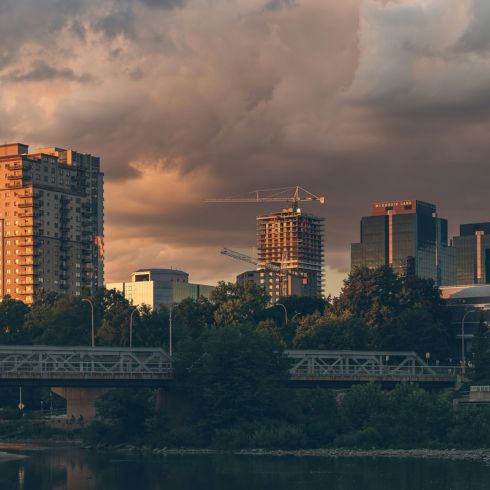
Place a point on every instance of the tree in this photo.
(58, 320)
(416, 417)
(114, 325)
(237, 304)
(370, 294)
(123, 415)
(12, 316)
(232, 373)
(150, 327)
(191, 317)
(414, 330)
(332, 332)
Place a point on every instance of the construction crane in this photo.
(282, 273)
(262, 265)
(293, 195)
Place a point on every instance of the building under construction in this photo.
(294, 240)
(290, 245)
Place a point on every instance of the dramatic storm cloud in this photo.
(359, 100)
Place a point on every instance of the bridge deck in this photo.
(105, 366)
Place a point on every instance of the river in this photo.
(77, 469)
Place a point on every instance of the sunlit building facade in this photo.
(156, 287)
(410, 237)
(293, 240)
(51, 222)
(473, 254)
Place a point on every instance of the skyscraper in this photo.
(410, 237)
(473, 254)
(293, 240)
(51, 222)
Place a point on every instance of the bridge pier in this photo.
(80, 401)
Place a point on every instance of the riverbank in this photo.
(479, 455)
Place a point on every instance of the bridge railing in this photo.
(82, 362)
(369, 364)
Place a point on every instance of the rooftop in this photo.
(161, 271)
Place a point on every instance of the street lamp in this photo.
(131, 328)
(93, 326)
(463, 356)
(170, 341)
(285, 312)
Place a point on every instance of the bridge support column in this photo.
(80, 401)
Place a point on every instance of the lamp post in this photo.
(463, 354)
(285, 312)
(170, 340)
(131, 328)
(295, 315)
(93, 326)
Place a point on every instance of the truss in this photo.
(83, 363)
(375, 366)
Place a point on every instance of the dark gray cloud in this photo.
(272, 5)
(164, 4)
(117, 22)
(42, 71)
(476, 37)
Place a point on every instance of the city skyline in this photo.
(188, 100)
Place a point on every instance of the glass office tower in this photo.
(408, 236)
(473, 254)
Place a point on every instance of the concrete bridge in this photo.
(82, 374)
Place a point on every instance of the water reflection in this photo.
(73, 469)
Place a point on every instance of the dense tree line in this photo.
(231, 392)
(231, 374)
(376, 309)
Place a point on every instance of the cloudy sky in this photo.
(358, 100)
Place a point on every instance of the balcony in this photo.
(13, 185)
(28, 282)
(26, 224)
(29, 272)
(26, 204)
(26, 195)
(14, 177)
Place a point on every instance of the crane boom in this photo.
(263, 265)
(293, 195)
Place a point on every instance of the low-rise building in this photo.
(155, 287)
(468, 303)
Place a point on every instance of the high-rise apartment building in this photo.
(51, 222)
(408, 236)
(294, 241)
(473, 254)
